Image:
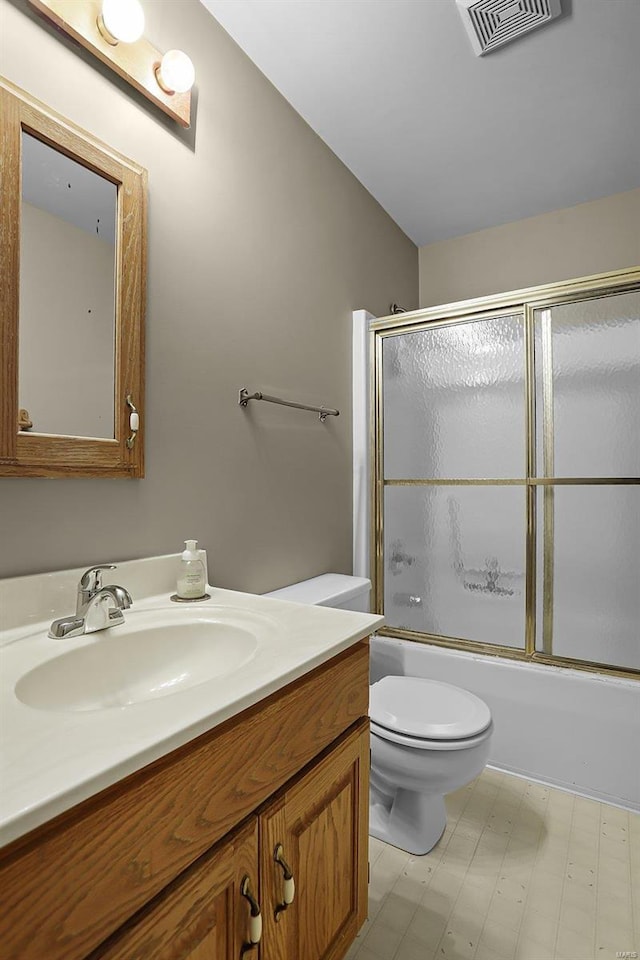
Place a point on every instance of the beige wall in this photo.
(574, 242)
(261, 243)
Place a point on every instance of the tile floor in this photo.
(522, 872)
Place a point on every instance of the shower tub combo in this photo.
(506, 507)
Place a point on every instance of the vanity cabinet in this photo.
(320, 825)
(152, 868)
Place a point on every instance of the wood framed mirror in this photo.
(73, 267)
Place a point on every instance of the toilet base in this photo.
(413, 821)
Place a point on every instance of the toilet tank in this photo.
(329, 590)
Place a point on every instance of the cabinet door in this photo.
(321, 825)
(201, 915)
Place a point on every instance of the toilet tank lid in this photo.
(328, 590)
(427, 709)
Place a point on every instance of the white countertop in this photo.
(51, 760)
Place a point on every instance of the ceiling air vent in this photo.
(490, 23)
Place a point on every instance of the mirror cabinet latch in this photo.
(134, 422)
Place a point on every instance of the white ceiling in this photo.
(446, 141)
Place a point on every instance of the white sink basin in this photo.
(152, 655)
(78, 714)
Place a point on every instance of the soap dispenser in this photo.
(191, 584)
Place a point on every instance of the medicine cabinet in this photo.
(73, 241)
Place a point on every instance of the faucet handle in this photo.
(91, 579)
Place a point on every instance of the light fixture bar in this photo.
(135, 62)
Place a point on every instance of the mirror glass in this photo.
(67, 318)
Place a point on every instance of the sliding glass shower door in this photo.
(507, 465)
(588, 393)
(454, 467)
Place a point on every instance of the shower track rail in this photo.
(323, 412)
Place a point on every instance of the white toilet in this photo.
(427, 738)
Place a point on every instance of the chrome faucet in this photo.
(97, 607)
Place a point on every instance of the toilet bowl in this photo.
(427, 738)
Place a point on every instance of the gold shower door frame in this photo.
(524, 304)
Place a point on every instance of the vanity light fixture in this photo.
(113, 31)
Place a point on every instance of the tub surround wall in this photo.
(578, 241)
(261, 243)
(361, 443)
(569, 729)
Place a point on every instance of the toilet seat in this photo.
(422, 743)
(415, 711)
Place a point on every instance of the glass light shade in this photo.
(176, 73)
(123, 19)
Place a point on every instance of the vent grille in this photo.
(490, 23)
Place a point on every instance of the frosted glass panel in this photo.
(454, 401)
(454, 561)
(595, 346)
(596, 582)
